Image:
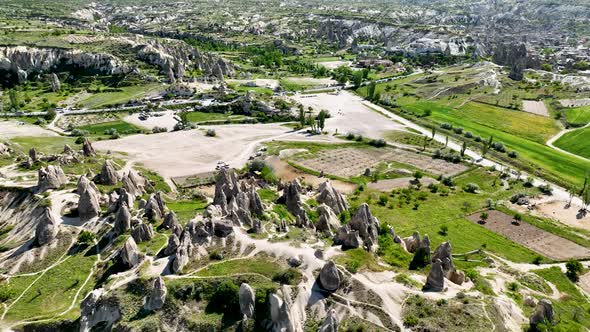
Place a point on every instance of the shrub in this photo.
(225, 299)
(79, 132)
(216, 255)
(468, 134)
(447, 126)
(537, 260)
(573, 268)
(448, 181)
(458, 130)
(513, 154)
(471, 188)
(421, 259)
(286, 277)
(477, 138)
(359, 138)
(210, 133)
(444, 230)
(157, 129)
(50, 115)
(379, 143)
(499, 146)
(79, 140)
(383, 199)
(86, 237)
(411, 320)
(40, 121)
(546, 189)
(350, 136)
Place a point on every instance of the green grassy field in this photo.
(47, 145)
(437, 209)
(572, 311)
(126, 94)
(578, 116)
(260, 265)
(122, 127)
(186, 210)
(525, 136)
(576, 142)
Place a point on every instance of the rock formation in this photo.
(327, 222)
(443, 254)
(247, 300)
(47, 228)
(280, 314)
(4, 150)
(122, 220)
(435, 282)
(130, 255)
(332, 198)
(134, 183)
(173, 243)
(55, 83)
(366, 225)
(170, 220)
(155, 207)
(108, 174)
(88, 203)
(543, 313)
(87, 148)
(348, 238)
(292, 199)
(330, 324)
(180, 259)
(51, 177)
(33, 155)
(97, 308)
(157, 298)
(142, 232)
(330, 277)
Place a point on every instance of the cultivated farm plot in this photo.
(532, 237)
(535, 107)
(350, 162)
(575, 102)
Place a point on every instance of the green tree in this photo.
(357, 78)
(14, 99)
(322, 119)
(86, 237)
(463, 148)
(433, 132)
(573, 268)
(371, 91)
(301, 116)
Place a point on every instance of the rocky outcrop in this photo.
(87, 148)
(122, 220)
(348, 238)
(155, 207)
(435, 282)
(33, 155)
(108, 174)
(516, 57)
(180, 259)
(55, 83)
(543, 313)
(134, 183)
(247, 298)
(332, 198)
(47, 228)
(157, 298)
(4, 150)
(292, 199)
(327, 222)
(170, 221)
(330, 323)
(330, 277)
(129, 254)
(142, 232)
(51, 177)
(412, 243)
(443, 254)
(88, 203)
(172, 246)
(97, 308)
(366, 225)
(280, 314)
(18, 62)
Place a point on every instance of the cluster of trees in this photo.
(317, 123)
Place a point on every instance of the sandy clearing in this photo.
(311, 80)
(335, 64)
(167, 120)
(556, 209)
(535, 107)
(260, 82)
(287, 172)
(349, 114)
(191, 152)
(584, 282)
(10, 129)
(183, 153)
(532, 237)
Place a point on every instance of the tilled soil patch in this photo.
(532, 237)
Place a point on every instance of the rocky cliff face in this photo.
(20, 62)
